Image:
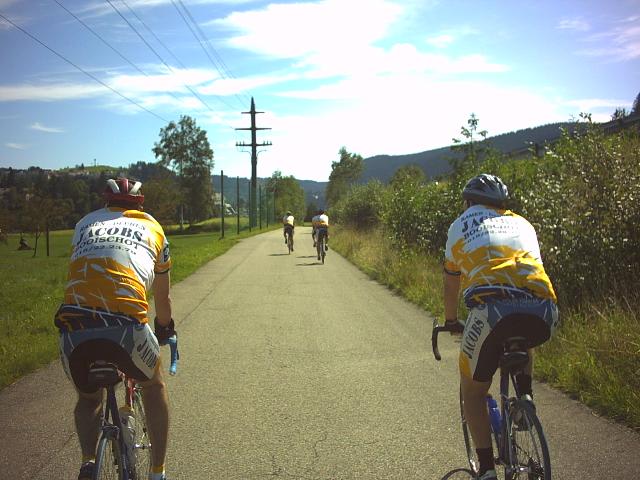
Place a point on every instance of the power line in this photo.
(220, 66)
(121, 55)
(82, 70)
(195, 94)
(163, 45)
(100, 38)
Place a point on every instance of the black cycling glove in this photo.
(164, 333)
(454, 326)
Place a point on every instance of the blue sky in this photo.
(375, 76)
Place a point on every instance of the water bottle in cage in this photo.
(494, 414)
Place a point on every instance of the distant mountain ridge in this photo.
(436, 162)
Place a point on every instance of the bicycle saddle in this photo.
(103, 374)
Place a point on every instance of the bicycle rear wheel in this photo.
(108, 459)
(290, 242)
(529, 451)
(142, 443)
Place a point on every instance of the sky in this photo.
(94, 82)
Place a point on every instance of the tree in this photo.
(406, 174)
(470, 149)
(184, 147)
(344, 173)
(162, 198)
(41, 214)
(636, 105)
(288, 193)
(619, 114)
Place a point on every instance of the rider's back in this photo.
(498, 255)
(116, 254)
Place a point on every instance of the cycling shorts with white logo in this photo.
(132, 347)
(490, 324)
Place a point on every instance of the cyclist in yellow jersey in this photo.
(493, 256)
(288, 227)
(119, 254)
(321, 227)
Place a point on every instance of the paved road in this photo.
(296, 370)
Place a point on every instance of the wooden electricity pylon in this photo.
(254, 159)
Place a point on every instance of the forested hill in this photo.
(436, 162)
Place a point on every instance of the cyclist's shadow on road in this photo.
(278, 254)
(317, 262)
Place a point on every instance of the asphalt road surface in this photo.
(296, 370)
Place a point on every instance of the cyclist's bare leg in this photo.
(475, 410)
(156, 407)
(87, 416)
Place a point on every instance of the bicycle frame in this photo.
(512, 362)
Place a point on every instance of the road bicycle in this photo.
(321, 244)
(517, 433)
(288, 233)
(124, 447)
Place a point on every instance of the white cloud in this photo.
(232, 86)
(588, 105)
(301, 29)
(575, 24)
(50, 92)
(41, 128)
(441, 41)
(619, 43)
(16, 146)
(451, 35)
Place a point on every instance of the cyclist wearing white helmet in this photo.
(288, 227)
(493, 256)
(119, 254)
(320, 225)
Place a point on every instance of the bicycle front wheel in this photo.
(108, 459)
(142, 443)
(529, 451)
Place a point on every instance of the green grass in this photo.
(594, 356)
(33, 289)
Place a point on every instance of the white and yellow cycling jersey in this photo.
(322, 221)
(116, 255)
(497, 254)
(288, 220)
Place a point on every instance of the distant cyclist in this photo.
(314, 223)
(288, 227)
(320, 224)
(493, 255)
(120, 254)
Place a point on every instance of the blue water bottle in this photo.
(175, 355)
(494, 415)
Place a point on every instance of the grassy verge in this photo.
(33, 287)
(594, 357)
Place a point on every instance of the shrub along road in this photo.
(299, 370)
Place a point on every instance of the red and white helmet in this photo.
(123, 190)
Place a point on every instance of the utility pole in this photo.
(254, 159)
